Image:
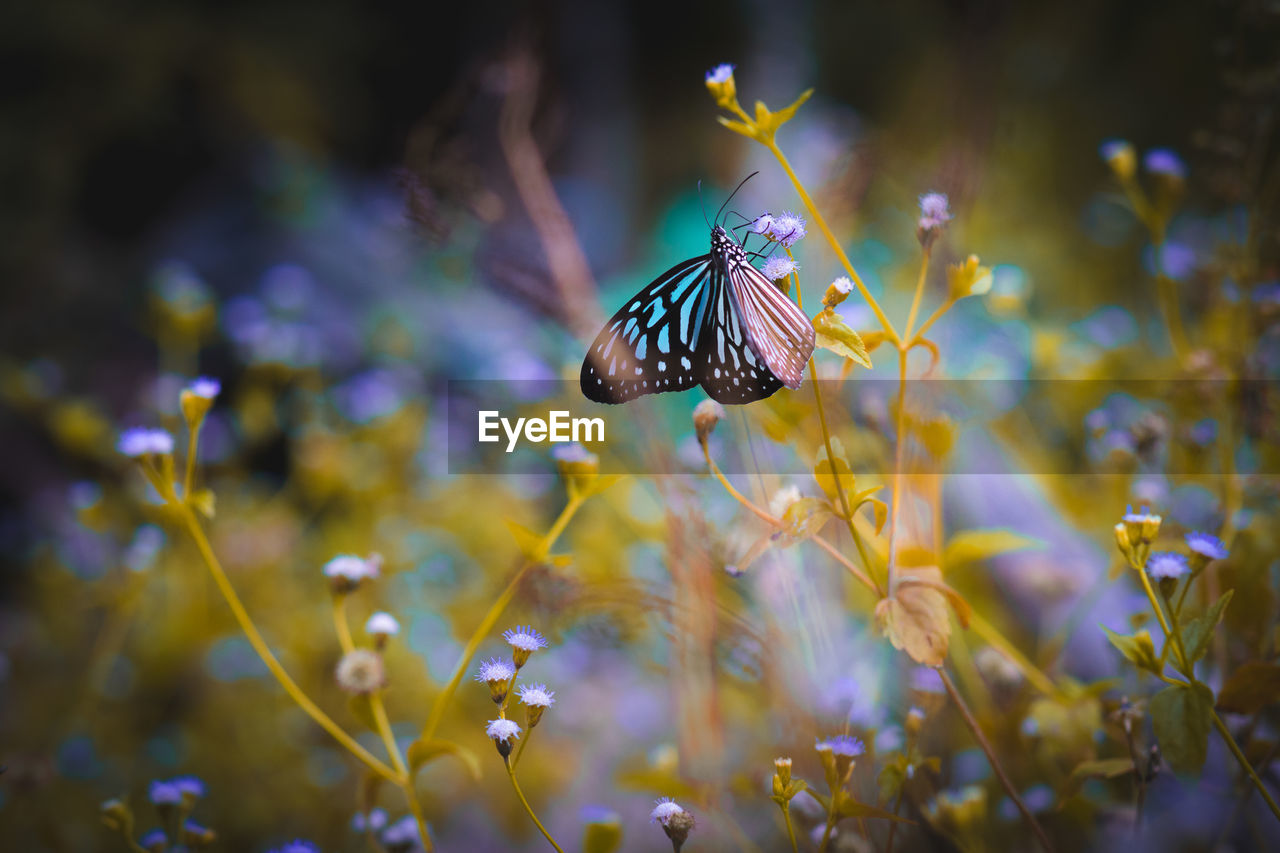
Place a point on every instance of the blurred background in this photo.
(336, 208)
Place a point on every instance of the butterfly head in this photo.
(724, 248)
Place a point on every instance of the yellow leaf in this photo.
(804, 518)
(204, 502)
(973, 546)
(914, 617)
(529, 543)
(827, 475)
(834, 333)
(737, 126)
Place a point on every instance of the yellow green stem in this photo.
(791, 830)
(405, 782)
(831, 239)
(340, 623)
(189, 478)
(515, 759)
(826, 441)
(495, 611)
(516, 785)
(264, 652)
(915, 300)
(927, 324)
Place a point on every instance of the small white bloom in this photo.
(665, 810)
(142, 441)
(351, 568)
(503, 730)
(382, 623)
(779, 267)
(205, 387)
(536, 695)
(843, 286)
(720, 74)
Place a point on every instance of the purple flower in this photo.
(1113, 148)
(935, 211)
(153, 838)
(720, 74)
(844, 745)
(162, 793)
(1166, 564)
(205, 387)
(665, 809)
(1163, 161)
(374, 821)
(787, 229)
(297, 845)
(1206, 545)
(525, 638)
(191, 785)
(536, 695)
(779, 267)
(142, 441)
(502, 730)
(496, 671)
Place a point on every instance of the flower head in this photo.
(572, 452)
(536, 698)
(1206, 545)
(536, 695)
(375, 820)
(524, 641)
(787, 229)
(706, 415)
(1164, 162)
(497, 673)
(1167, 564)
(1120, 156)
(142, 441)
(382, 624)
(402, 835)
(503, 732)
(1142, 526)
(164, 793)
(195, 835)
(935, 211)
(845, 745)
(197, 398)
(675, 821)
(205, 387)
(361, 671)
(720, 74)
(297, 845)
(191, 786)
(837, 292)
(720, 84)
(348, 571)
(779, 267)
(154, 839)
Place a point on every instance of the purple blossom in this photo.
(141, 441)
(844, 745)
(935, 211)
(778, 267)
(1163, 161)
(1206, 545)
(1166, 564)
(720, 74)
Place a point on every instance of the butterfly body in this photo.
(715, 321)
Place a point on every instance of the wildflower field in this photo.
(607, 427)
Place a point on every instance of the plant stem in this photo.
(775, 522)
(927, 324)
(831, 239)
(915, 300)
(1244, 762)
(189, 478)
(831, 457)
(516, 785)
(264, 652)
(893, 824)
(405, 781)
(900, 457)
(995, 763)
(791, 830)
(495, 611)
(340, 623)
(515, 759)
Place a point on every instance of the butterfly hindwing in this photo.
(779, 333)
(649, 345)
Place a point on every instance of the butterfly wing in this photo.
(777, 331)
(729, 369)
(649, 346)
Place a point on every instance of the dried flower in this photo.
(706, 415)
(361, 671)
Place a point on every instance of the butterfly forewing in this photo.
(730, 370)
(779, 332)
(649, 345)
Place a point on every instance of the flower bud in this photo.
(782, 767)
(838, 291)
(578, 466)
(1121, 157)
(705, 417)
(720, 84)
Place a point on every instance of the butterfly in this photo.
(715, 321)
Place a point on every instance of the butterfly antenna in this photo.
(732, 194)
(701, 205)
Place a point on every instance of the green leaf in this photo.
(1180, 717)
(834, 334)
(1251, 688)
(1137, 649)
(1199, 632)
(973, 546)
(423, 752)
